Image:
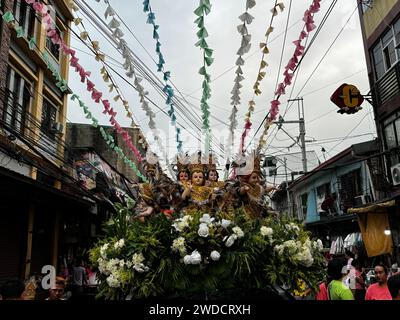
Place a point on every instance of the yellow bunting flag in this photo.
(281, 6)
(117, 97)
(84, 35)
(111, 86)
(269, 31)
(95, 45)
(263, 64)
(77, 21)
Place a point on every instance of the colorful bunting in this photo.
(291, 67)
(169, 92)
(201, 11)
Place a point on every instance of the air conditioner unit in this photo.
(360, 200)
(57, 127)
(395, 170)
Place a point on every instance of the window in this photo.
(392, 139)
(17, 100)
(54, 48)
(349, 188)
(25, 16)
(49, 117)
(378, 61)
(303, 199)
(384, 54)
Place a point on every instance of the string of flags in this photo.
(245, 46)
(169, 92)
(63, 86)
(291, 66)
(201, 11)
(96, 95)
(261, 73)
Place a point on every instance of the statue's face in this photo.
(212, 175)
(197, 178)
(254, 179)
(183, 176)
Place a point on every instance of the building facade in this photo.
(34, 203)
(380, 26)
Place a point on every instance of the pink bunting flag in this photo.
(96, 95)
(106, 105)
(274, 110)
(281, 89)
(303, 35)
(90, 85)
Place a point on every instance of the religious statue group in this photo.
(197, 187)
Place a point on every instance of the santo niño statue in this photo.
(195, 191)
(251, 192)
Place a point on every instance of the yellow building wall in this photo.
(375, 15)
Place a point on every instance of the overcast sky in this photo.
(344, 63)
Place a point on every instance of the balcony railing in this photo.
(388, 86)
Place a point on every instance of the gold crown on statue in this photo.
(212, 165)
(182, 161)
(197, 163)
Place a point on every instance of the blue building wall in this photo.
(310, 186)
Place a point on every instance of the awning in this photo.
(376, 207)
(373, 220)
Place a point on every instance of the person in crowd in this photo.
(336, 288)
(394, 286)
(12, 290)
(379, 290)
(79, 279)
(357, 283)
(349, 256)
(57, 293)
(322, 293)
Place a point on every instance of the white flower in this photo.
(187, 259)
(195, 257)
(140, 267)
(203, 230)
(215, 255)
(103, 250)
(266, 231)
(119, 244)
(128, 264)
(304, 257)
(320, 246)
(238, 232)
(121, 263)
(292, 226)
(137, 259)
(205, 218)
(182, 223)
(113, 281)
(225, 223)
(231, 240)
(178, 245)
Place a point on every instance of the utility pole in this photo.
(287, 188)
(302, 128)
